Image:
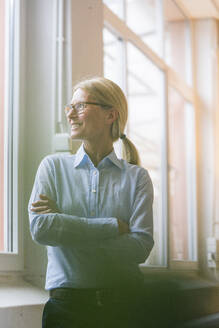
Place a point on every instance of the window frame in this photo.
(117, 26)
(12, 258)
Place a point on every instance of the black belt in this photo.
(98, 296)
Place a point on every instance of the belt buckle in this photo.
(99, 298)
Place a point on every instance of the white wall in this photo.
(87, 48)
(38, 112)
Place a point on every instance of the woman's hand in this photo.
(123, 227)
(44, 205)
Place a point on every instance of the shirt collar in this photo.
(114, 159)
(81, 155)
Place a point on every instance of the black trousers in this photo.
(151, 306)
(94, 309)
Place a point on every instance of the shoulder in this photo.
(135, 170)
(54, 161)
(139, 176)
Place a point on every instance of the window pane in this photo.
(117, 6)
(177, 41)
(145, 19)
(182, 193)
(145, 129)
(113, 57)
(2, 88)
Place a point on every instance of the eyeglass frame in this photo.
(84, 103)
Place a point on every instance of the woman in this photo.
(93, 211)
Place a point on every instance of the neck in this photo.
(97, 152)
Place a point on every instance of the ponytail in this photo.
(129, 151)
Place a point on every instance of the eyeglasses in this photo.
(81, 106)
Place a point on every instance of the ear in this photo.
(112, 115)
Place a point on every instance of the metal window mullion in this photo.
(10, 126)
(191, 182)
(124, 75)
(54, 64)
(62, 73)
(68, 57)
(60, 53)
(165, 230)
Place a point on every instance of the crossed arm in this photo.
(46, 205)
(48, 226)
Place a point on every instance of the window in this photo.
(182, 209)
(145, 129)
(113, 55)
(117, 6)
(161, 123)
(62, 74)
(146, 20)
(9, 121)
(143, 17)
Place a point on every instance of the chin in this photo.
(76, 136)
(73, 137)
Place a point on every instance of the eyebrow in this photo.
(91, 103)
(78, 102)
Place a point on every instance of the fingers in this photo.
(44, 205)
(44, 197)
(40, 203)
(44, 200)
(39, 209)
(47, 211)
(43, 210)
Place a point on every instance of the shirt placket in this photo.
(94, 193)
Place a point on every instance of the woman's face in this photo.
(90, 125)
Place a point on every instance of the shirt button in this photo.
(94, 190)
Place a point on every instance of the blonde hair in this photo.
(108, 93)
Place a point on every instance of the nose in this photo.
(72, 113)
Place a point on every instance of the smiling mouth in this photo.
(75, 125)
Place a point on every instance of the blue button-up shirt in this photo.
(84, 247)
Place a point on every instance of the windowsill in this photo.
(177, 269)
(183, 279)
(20, 293)
(14, 291)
